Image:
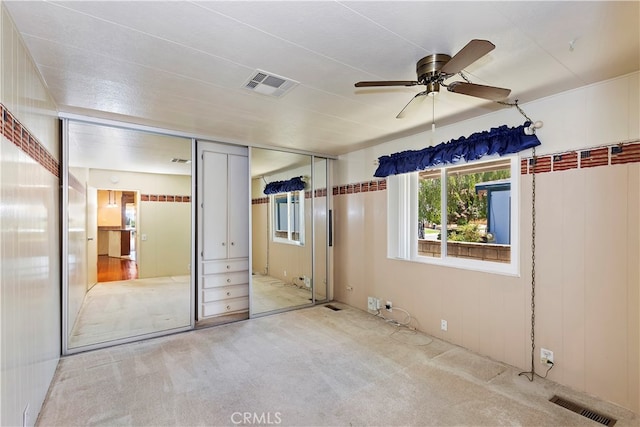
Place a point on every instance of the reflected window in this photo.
(288, 217)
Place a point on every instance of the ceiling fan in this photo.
(434, 69)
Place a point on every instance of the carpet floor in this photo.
(128, 308)
(310, 367)
(269, 294)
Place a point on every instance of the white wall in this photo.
(30, 245)
(594, 115)
(587, 251)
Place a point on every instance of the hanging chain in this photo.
(533, 267)
(533, 243)
(520, 110)
(466, 79)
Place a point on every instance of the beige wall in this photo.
(167, 248)
(587, 252)
(259, 238)
(274, 258)
(279, 257)
(30, 244)
(166, 225)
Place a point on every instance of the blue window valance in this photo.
(293, 184)
(501, 140)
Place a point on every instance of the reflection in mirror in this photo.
(129, 235)
(282, 263)
(288, 217)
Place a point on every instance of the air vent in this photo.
(269, 84)
(175, 160)
(585, 412)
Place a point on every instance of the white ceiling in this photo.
(182, 65)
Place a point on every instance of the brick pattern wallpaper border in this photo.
(361, 187)
(614, 154)
(20, 136)
(319, 192)
(260, 201)
(164, 198)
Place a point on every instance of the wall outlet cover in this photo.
(443, 325)
(546, 356)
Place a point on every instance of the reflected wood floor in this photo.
(111, 269)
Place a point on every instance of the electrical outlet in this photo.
(285, 273)
(307, 281)
(546, 356)
(389, 306)
(443, 325)
(372, 303)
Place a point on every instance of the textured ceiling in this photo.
(182, 65)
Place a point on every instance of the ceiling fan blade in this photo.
(388, 83)
(479, 91)
(412, 105)
(469, 54)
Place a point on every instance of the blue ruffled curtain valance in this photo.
(293, 184)
(501, 140)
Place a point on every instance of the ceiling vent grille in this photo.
(269, 84)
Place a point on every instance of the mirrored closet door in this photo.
(289, 231)
(128, 236)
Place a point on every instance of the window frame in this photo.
(402, 214)
(291, 220)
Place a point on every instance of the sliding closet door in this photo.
(129, 235)
(289, 214)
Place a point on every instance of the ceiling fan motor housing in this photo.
(428, 70)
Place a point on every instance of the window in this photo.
(288, 217)
(463, 216)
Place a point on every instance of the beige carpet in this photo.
(310, 367)
(114, 310)
(269, 294)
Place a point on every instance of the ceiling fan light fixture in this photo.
(433, 70)
(433, 88)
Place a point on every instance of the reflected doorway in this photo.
(129, 236)
(117, 219)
